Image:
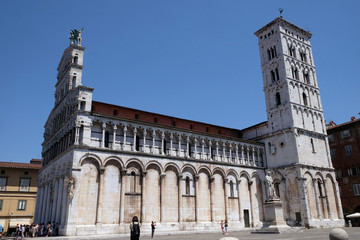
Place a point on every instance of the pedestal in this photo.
(274, 218)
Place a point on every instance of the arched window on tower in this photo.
(187, 186)
(296, 74)
(73, 83)
(275, 51)
(272, 53)
(76, 58)
(278, 99)
(137, 143)
(306, 78)
(305, 99)
(272, 76)
(269, 55)
(277, 74)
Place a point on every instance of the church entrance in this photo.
(246, 218)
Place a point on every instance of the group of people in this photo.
(224, 226)
(36, 230)
(135, 228)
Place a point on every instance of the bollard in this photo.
(338, 234)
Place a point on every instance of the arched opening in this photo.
(305, 99)
(231, 189)
(187, 186)
(133, 182)
(278, 99)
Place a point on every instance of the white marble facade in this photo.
(99, 170)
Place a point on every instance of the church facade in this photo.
(104, 164)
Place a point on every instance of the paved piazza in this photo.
(310, 234)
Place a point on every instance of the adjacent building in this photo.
(104, 163)
(344, 141)
(18, 189)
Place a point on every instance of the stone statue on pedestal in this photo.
(271, 193)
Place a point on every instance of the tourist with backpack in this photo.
(135, 228)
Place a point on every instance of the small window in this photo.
(26, 173)
(338, 174)
(133, 182)
(332, 154)
(2, 171)
(24, 184)
(115, 112)
(137, 143)
(278, 99)
(331, 138)
(305, 99)
(207, 129)
(173, 123)
(356, 188)
(320, 189)
(22, 205)
(155, 120)
(3, 181)
(191, 126)
(345, 134)
(136, 116)
(272, 76)
(348, 150)
(312, 145)
(76, 58)
(1, 204)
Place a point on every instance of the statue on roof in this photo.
(75, 36)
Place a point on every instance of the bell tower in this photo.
(296, 128)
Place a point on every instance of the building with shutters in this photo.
(18, 188)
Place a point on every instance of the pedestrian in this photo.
(23, 231)
(135, 228)
(49, 230)
(153, 225)
(222, 226)
(1, 230)
(226, 226)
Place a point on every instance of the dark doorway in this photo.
(246, 218)
(298, 218)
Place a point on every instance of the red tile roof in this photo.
(20, 165)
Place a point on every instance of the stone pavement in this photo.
(306, 234)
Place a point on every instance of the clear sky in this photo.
(192, 59)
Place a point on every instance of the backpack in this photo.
(136, 229)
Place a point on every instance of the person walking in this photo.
(222, 226)
(135, 228)
(153, 225)
(226, 226)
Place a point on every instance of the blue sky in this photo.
(195, 59)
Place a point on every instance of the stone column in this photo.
(153, 141)
(144, 141)
(188, 154)
(210, 151)
(253, 156)
(224, 153)
(103, 135)
(202, 149)
(60, 199)
(230, 154)
(114, 136)
(251, 205)
(48, 205)
(217, 151)
(171, 144)
(44, 202)
(212, 210)
(318, 207)
(338, 201)
(303, 200)
(54, 206)
(248, 155)
(122, 196)
(330, 215)
(226, 190)
(179, 151)
(237, 154)
(135, 136)
(196, 179)
(124, 144)
(100, 197)
(180, 197)
(242, 155)
(286, 197)
(241, 214)
(162, 143)
(64, 206)
(143, 187)
(162, 207)
(39, 203)
(195, 148)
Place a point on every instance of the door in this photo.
(246, 218)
